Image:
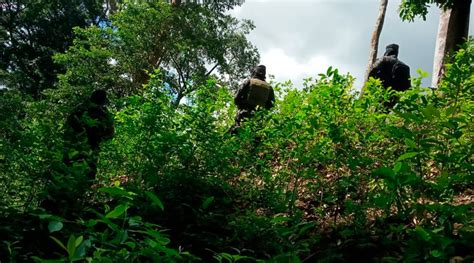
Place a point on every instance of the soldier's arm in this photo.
(75, 121)
(407, 80)
(103, 126)
(375, 68)
(110, 127)
(107, 125)
(271, 99)
(243, 90)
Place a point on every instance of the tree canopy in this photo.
(32, 32)
(410, 9)
(187, 44)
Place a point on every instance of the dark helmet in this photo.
(259, 71)
(391, 50)
(99, 97)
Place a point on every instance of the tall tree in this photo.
(374, 43)
(31, 32)
(453, 27)
(186, 43)
(453, 30)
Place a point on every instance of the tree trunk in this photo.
(374, 44)
(453, 31)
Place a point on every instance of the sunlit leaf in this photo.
(118, 211)
(407, 156)
(156, 201)
(54, 226)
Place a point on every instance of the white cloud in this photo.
(286, 67)
(298, 39)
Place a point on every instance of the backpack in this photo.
(258, 94)
(400, 76)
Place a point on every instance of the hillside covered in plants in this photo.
(326, 175)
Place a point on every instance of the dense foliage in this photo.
(117, 47)
(410, 9)
(188, 44)
(27, 43)
(324, 177)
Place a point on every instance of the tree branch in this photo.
(210, 71)
(375, 39)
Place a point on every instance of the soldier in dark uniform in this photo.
(254, 93)
(87, 127)
(392, 72)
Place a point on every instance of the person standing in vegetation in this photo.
(392, 72)
(253, 94)
(87, 127)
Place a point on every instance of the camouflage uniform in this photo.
(252, 94)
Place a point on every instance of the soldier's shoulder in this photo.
(389, 59)
(378, 62)
(244, 82)
(402, 63)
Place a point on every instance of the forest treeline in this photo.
(332, 177)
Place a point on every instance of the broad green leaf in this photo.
(71, 246)
(73, 154)
(115, 191)
(437, 230)
(156, 201)
(207, 202)
(158, 236)
(239, 257)
(227, 256)
(134, 221)
(397, 167)
(130, 244)
(410, 143)
(408, 116)
(51, 217)
(382, 201)
(118, 211)
(54, 226)
(450, 110)
(407, 156)
(59, 242)
(91, 223)
(436, 253)
(305, 228)
(430, 112)
(280, 219)
(82, 249)
(423, 234)
(329, 71)
(79, 241)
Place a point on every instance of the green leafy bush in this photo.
(325, 176)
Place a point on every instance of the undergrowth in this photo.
(325, 176)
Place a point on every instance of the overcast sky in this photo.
(301, 38)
